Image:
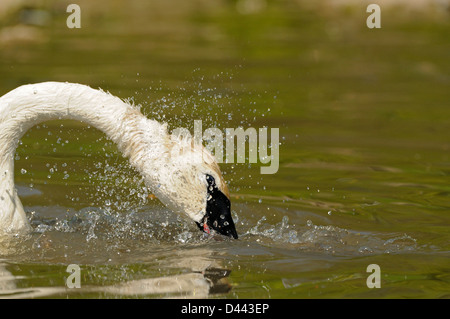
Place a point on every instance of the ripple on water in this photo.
(328, 238)
(93, 230)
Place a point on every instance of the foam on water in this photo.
(100, 232)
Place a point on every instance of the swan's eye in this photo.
(210, 180)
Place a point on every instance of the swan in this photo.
(186, 186)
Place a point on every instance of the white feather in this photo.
(170, 165)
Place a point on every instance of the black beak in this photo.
(218, 212)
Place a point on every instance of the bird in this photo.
(181, 172)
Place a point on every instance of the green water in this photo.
(364, 157)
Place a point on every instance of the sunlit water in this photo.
(364, 156)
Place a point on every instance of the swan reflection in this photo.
(199, 277)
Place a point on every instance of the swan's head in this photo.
(188, 180)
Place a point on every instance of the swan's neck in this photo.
(29, 105)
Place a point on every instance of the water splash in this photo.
(328, 238)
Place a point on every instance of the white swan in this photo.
(195, 188)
